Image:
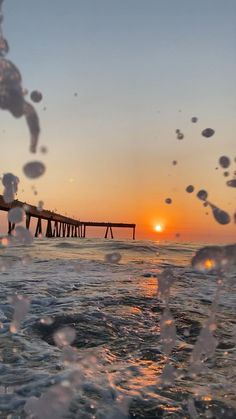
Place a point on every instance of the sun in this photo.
(158, 228)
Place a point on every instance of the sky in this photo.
(118, 77)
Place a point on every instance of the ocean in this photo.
(84, 332)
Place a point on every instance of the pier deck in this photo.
(59, 225)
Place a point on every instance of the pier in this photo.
(58, 225)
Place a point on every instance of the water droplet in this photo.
(222, 217)
(226, 174)
(215, 258)
(64, 336)
(202, 194)
(194, 119)
(4, 47)
(16, 215)
(22, 236)
(114, 257)
(33, 125)
(47, 320)
(208, 132)
(11, 96)
(180, 136)
(26, 260)
(174, 162)
(190, 188)
(224, 162)
(168, 201)
(21, 306)
(167, 331)
(10, 182)
(43, 149)
(40, 206)
(231, 183)
(34, 169)
(36, 96)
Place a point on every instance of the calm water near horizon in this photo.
(114, 366)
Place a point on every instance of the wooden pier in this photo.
(59, 225)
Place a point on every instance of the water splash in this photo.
(12, 94)
(10, 183)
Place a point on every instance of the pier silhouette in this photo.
(59, 225)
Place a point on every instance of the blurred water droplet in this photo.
(215, 258)
(180, 136)
(34, 169)
(43, 149)
(194, 119)
(4, 47)
(192, 409)
(10, 182)
(224, 162)
(222, 217)
(190, 188)
(26, 260)
(21, 306)
(114, 257)
(168, 201)
(164, 281)
(16, 215)
(33, 124)
(202, 194)
(167, 332)
(208, 132)
(22, 236)
(36, 96)
(47, 320)
(226, 174)
(168, 376)
(174, 162)
(40, 206)
(64, 336)
(231, 183)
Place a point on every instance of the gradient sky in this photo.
(141, 69)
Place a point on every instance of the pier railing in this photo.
(59, 225)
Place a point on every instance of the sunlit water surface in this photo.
(114, 367)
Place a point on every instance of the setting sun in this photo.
(159, 228)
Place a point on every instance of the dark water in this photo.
(114, 365)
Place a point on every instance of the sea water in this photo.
(80, 332)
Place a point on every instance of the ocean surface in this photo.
(83, 337)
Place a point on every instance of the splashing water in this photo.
(16, 215)
(21, 306)
(215, 258)
(12, 94)
(10, 183)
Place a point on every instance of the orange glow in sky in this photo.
(158, 228)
